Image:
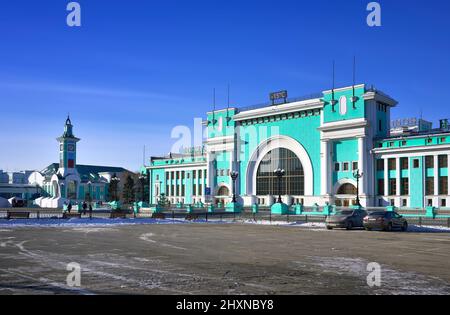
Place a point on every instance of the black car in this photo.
(386, 221)
(346, 219)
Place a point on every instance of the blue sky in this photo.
(135, 69)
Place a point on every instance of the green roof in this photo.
(87, 172)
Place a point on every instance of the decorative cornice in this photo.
(280, 109)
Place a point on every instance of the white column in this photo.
(325, 167)
(362, 164)
(386, 177)
(169, 193)
(448, 174)
(210, 175)
(436, 175)
(399, 176)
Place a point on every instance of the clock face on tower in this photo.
(71, 147)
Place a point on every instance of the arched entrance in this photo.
(72, 190)
(222, 195)
(346, 195)
(293, 183)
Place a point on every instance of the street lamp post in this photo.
(234, 176)
(116, 181)
(357, 175)
(90, 191)
(142, 181)
(279, 173)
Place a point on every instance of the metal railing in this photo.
(263, 215)
(288, 101)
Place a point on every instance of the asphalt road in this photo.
(221, 259)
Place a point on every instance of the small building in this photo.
(67, 181)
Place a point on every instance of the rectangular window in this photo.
(200, 188)
(429, 161)
(429, 186)
(380, 165)
(404, 163)
(355, 166)
(416, 163)
(194, 190)
(403, 143)
(380, 187)
(345, 166)
(444, 203)
(429, 141)
(404, 186)
(443, 140)
(404, 202)
(337, 167)
(392, 187)
(392, 165)
(200, 174)
(443, 161)
(443, 185)
(379, 125)
(194, 174)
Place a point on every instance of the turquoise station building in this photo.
(320, 141)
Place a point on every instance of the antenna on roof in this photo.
(333, 101)
(354, 99)
(214, 107)
(228, 104)
(228, 96)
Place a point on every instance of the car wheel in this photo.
(368, 229)
(405, 227)
(349, 225)
(329, 228)
(389, 227)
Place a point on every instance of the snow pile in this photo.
(428, 229)
(285, 223)
(96, 222)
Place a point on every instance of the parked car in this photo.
(346, 219)
(386, 221)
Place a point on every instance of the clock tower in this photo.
(67, 150)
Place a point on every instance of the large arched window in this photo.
(347, 189)
(293, 182)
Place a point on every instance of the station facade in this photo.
(321, 141)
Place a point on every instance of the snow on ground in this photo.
(79, 223)
(84, 224)
(393, 281)
(428, 229)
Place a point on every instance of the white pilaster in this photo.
(448, 174)
(362, 164)
(386, 177)
(399, 176)
(325, 167)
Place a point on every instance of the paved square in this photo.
(221, 259)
